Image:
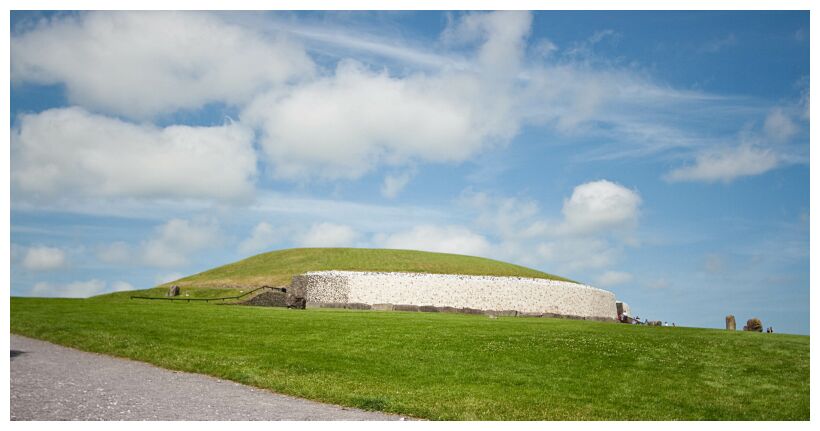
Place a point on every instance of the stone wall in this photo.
(528, 296)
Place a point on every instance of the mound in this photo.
(276, 268)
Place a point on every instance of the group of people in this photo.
(624, 318)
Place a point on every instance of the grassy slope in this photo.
(277, 267)
(448, 366)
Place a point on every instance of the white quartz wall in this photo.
(525, 295)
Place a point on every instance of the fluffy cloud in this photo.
(600, 206)
(78, 289)
(779, 127)
(346, 124)
(502, 36)
(140, 64)
(262, 237)
(121, 286)
(565, 255)
(70, 152)
(327, 235)
(443, 239)
(115, 253)
(44, 259)
(393, 184)
(599, 220)
(726, 165)
(166, 277)
(612, 278)
(175, 240)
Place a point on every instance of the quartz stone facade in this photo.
(446, 292)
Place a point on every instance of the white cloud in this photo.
(263, 236)
(62, 153)
(566, 254)
(120, 286)
(545, 47)
(502, 35)
(600, 206)
(599, 221)
(719, 44)
(347, 124)
(726, 165)
(341, 41)
(44, 258)
(141, 64)
(510, 218)
(612, 278)
(393, 184)
(117, 252)
(166, 277)
(443, 239)
(779, 127)
(354, 119)
(78, 289)
(327, 235)
(174, 241)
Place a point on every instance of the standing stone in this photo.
(754, 324)
(173, 291)
(730, 323)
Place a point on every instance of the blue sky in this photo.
(659, 155)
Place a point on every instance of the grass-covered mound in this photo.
(277, 267)
(448, 366)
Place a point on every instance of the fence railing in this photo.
(175, 298)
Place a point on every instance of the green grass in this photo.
(277, 267)
(447, 366)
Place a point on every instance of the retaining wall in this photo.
(448, 292)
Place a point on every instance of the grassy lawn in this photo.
(447, 366)
(276, 268)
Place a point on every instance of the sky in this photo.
(663, 156)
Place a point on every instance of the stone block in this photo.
(292, 301)
(503, 313)
(467, 310)
(731, 325)
(357, 306)
(268, 299)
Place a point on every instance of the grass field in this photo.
(447, 366)
(276, 268)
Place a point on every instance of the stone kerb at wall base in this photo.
(500, 296)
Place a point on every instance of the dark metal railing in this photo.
(173, 298)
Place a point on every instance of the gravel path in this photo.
(50, 382)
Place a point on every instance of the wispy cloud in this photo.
(718, 44)
(726, 165)
(41, 258)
